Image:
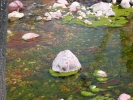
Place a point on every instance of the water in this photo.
(28, 63)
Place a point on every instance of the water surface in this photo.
(28, 62)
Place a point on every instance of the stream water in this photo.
(28, 62)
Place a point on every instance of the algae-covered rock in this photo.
(102, 79)
(86, 93)
(93, 88)
(57, 74)
(99, 73)
(102, 98)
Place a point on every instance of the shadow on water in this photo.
(28, 62)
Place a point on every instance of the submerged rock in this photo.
(28, 36)
(100, 73)
(66, 61)
(102, 79)
(87, 94)
(93, 88)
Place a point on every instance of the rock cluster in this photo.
(99, 9)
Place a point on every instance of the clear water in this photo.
(104, 48)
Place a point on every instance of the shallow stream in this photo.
(105, 48)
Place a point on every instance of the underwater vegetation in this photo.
(106, 48)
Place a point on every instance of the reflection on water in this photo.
(28, 63)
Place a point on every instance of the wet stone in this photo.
(66, 61)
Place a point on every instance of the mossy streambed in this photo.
(105, 48)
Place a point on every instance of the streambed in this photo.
(28, 62)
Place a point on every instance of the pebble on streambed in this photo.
(28, 36)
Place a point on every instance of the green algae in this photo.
(106, 97)
(86, 93)
(96, 73)
(111, 87)
(67, 18)
(101, 79)
(122, 16)
(93, 88)
(57, 74)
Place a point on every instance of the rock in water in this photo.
(66, 61)
(28, 36)
(124, 96)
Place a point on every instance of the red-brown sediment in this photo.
(16, 42)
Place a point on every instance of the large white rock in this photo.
(66, 61)
(102, 8)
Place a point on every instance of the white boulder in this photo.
(102, 8)
(66, 61)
